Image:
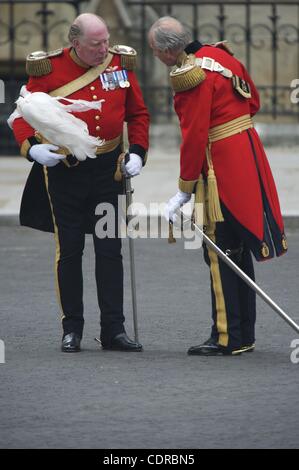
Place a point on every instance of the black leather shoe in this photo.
(248, 347)
(210, 348)
(71, 343)
(122, 342)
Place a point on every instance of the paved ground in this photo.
(160, 398)
(158, 181)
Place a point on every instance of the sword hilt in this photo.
(171, 238)
(118, 175)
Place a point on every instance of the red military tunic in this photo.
(244, 178)
(121, 104)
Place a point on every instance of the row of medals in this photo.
(113, 80)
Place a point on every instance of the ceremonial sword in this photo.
(129, 191)
(225, 257)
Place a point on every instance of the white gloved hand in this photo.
(174, 203)
(134, 165)
(42, 154)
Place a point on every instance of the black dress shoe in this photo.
(248, 347)
(211, 348)
(122, 342)
(71, 343)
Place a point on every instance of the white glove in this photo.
(42, 154)
(134, 165)
(174, 203)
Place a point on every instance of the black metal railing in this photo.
(18, 27)
(22, 23)
(264, 35)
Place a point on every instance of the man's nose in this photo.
(103, 47)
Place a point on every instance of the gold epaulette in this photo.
(38, 63)
(186, 77)
(223, 45)
(128, 56)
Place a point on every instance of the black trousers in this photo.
(74, 195)
(233, 302)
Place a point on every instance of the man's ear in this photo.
(171, 55)
(75, 43)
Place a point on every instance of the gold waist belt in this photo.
(236, 126)
(109, 145)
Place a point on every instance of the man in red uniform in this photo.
(223, 162)
(61, 196)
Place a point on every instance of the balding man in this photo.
(223, 162)
(62, 196)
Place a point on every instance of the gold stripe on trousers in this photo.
(221, 315)
(56, 237)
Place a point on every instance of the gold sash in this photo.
(83, 80)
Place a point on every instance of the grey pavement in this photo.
(158, 180)
(160, 398)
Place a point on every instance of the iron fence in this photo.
(21, 22)
(264, 35)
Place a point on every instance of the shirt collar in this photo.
(76, 59)
(193, 47)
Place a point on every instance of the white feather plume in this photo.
(53, 120)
